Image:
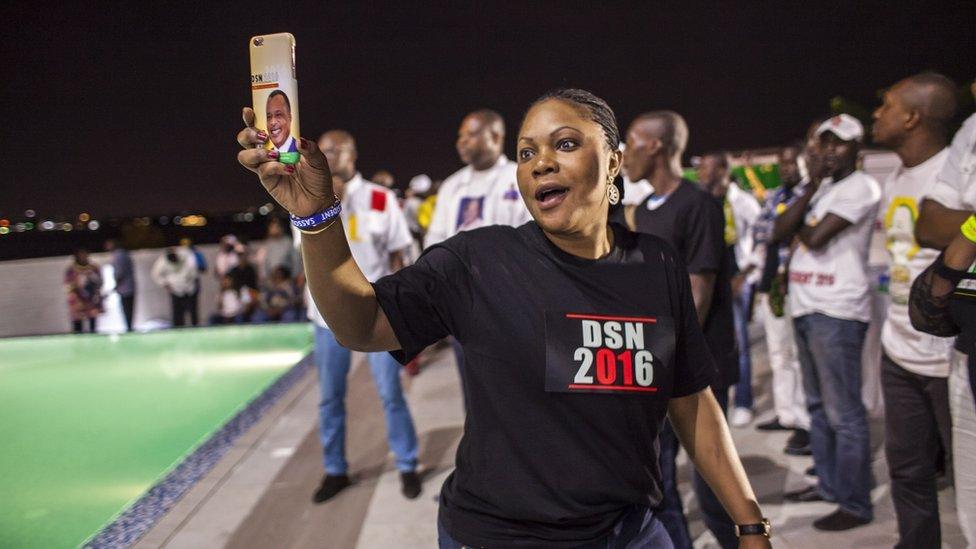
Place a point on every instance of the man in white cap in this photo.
(830, 302)
(416, 192)
(484, 192)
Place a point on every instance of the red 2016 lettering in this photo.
(634, 367)
(628, 367)
(606, 367)
(818, 279)
(825, 279)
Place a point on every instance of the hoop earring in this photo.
(613, 193)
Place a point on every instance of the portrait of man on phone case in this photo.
(279, 122)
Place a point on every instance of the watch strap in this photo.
(757, 529)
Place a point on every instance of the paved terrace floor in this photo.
(258, 496)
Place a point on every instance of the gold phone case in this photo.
(274, 92)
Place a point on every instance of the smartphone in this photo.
(274, 92)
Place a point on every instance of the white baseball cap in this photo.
(420, 183)
(843, 126)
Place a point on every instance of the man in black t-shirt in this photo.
(688, 218)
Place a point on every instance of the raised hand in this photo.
(304, 188)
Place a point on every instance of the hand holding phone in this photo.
(304, 188)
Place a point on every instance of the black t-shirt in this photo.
(569, 365)
(692, 221)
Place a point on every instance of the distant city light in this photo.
(248, 216)
(20, 227)
(4, 222)
(28, 226)
(84, 217)
(29, 213)
(66, 227)
(47, 225)
(193, 221)
(93, 225)
(265, 210)
(4, 230)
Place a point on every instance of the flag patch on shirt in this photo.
(378, 201)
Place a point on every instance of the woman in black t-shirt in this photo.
(579, 338)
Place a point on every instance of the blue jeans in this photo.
(332, 361)
(638, 529)
(672, 511)
(741, 305)
(829, 350)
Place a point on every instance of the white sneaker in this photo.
(740, 417)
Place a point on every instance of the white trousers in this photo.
(788, 400)
(963, 445)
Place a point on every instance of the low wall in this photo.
(33, 299)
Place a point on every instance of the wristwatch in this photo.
(759, 529)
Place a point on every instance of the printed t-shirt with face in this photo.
(693, 222)
(375, 227)
(955, 188)
(915, 351)
(569, 366)
(834, 280)
(469, 199)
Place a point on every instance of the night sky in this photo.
(125, 109)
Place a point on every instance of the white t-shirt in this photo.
(375, 227)
(231, 303)
(834, 280)
(956, 184)
(745, 211)
(915, 351)
(181, 277)
(469, 199)
(636, 191)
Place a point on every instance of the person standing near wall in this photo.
(176, 271)
(83, 283)
(125, 279)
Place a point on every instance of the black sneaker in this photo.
(806, 495)
(839, 520)
(798, 444)
(410, 484)
(331, 485)
(772, 425)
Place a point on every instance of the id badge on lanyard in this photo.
(607, 353)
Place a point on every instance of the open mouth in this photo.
(550, 195)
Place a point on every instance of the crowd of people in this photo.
(793, 258)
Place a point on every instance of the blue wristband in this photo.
(314, 220)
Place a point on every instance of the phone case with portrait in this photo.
(274, 92)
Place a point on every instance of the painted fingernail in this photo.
(262, 136)
(273, 154)
(290, 169)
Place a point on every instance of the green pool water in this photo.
(88, 423)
